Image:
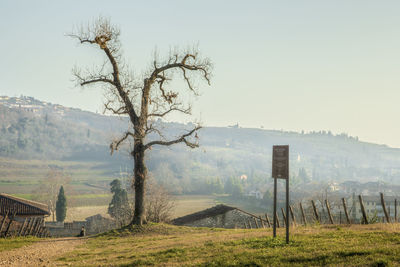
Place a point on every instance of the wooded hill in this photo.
(32, 129)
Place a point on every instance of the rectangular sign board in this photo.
(280, 162)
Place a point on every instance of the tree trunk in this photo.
(140, 175)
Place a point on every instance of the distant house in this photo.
(255, 193)
(220, 216)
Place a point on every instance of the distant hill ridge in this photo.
(33, 129)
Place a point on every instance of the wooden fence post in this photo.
(262, 222)
(345, 210)
(395, 210)
(303, 215)
(255, 222)
(284, 217)
(329, 211)
(292, 214)
(384, 208)
(266, 217)
(41, 231)
(277, 220)
(22, 227)
(32, 226)
(315, 211)
(11, 218)
(364, 214)
(2, 223)
(250, 224)
(38, 226)
(27, 227)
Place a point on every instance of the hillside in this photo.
(166, 245)
(32, 129)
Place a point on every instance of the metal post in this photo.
(287, 210)
(275, 189)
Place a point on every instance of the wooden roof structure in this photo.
(21, 207)
(207, 213)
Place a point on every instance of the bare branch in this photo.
(181, 139)
(96, 81)
(106, 36)
(195, 66)
(119, 111)
(152, 129)
(172, 108)
(116, 143)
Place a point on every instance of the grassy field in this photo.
(92, 204)
(183, 205)
(374, 245)
(24, 176)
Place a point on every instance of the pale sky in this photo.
(291, 65)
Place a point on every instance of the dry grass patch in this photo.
(16, 242)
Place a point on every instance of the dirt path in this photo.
(39, 253)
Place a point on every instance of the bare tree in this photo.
(159, 204)
(49, 187)
(141, 99)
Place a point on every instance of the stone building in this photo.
(94, 224)
(99, 223)
(220, 216)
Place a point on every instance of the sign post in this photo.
(280, 170)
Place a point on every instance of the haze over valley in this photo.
(71, 139)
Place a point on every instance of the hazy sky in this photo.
(292, 65)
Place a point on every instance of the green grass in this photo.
(16, 242)
(158, 244)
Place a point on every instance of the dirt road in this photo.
(41, 253)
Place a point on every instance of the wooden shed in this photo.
(21, 216)
(20, 207)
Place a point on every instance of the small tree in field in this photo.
(141, 99)
(159, 204)
(61, 205)
(49, 187)
(119, 207)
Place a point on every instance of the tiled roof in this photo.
(211, 212)
(21, 206)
